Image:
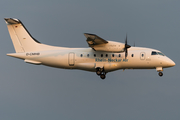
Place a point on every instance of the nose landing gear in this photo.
(159, 69)
(160, 74)
(101, 73)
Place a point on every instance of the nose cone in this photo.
(170, 63)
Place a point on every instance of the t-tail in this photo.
(21, 38)
(24, 43)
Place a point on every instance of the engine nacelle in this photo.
(110, 47)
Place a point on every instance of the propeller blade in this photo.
(126, 47)
(126, 40)
(126, 53)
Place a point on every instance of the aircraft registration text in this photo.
(31, 54)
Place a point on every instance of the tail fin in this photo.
(21, 38)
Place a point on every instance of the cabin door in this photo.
(71, 59)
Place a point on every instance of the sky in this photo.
(32, 92)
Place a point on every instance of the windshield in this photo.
(157, 53)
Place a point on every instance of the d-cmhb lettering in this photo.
(31, 54)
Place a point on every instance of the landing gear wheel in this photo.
(160, 74)
(103, 76)
(98, 72)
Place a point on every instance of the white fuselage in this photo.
(88, 59)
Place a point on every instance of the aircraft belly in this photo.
(54, 60)
(108, 67)
(85, 66)
(137, 65)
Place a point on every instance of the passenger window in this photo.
(133, 55)
(81, 55)
(94, 55)
(101, 55)
(106, 55)
(87, 55)
(119, 55)
(142, 55)
(112, 55)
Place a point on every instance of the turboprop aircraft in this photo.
(102, 57)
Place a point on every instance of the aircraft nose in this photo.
(171, 63)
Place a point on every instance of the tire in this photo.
(98, 72)
(103, 76)
(160, 74)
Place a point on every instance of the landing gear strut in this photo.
(160, 74)
(101, 73)
(159, 69)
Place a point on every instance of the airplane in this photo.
(101, 57)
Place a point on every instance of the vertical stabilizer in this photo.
(21, 38)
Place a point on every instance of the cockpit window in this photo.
(157, 53)
(154, 53)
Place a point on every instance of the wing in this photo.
(93, 40)
(99, 44)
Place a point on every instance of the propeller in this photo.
(126, 47)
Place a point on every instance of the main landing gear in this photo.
(101, 73)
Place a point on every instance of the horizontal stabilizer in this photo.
(12, 21)
(17, 55)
